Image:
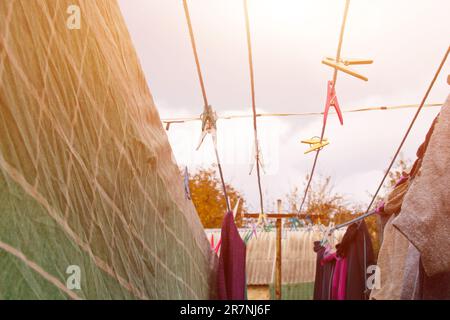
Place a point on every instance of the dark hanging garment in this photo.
(318, 281)
(231, 271)
(356, 246)
(324, 273)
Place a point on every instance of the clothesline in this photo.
(255, 128)
(397, 152)
(301, 114)
(207, 108)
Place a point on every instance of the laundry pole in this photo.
(279, 254)
(279, 229)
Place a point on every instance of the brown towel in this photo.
(425, 215)
(394, 200)
(391, 261)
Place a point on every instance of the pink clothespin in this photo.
(212, 241)
(254, 230)
(332, 101)
(216, 250)
(402, 179)
(380, 207)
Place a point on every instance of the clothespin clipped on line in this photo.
(332, 101)
(209, 120)
(257, 148)
(251, 233)
(326, 234)
(315, 144)
(342, 65)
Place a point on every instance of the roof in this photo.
(298, 257)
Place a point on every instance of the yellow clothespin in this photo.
(342, 65)
(315, 144)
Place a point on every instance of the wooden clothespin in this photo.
(209, 120)
(342, 65)
(257, 149)
(315, 144)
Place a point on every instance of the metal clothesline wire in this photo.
(205, 99)
(335, 73)
(397, 152)
(255, 127)
(301, 114)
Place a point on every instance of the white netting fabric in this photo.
(86, 170)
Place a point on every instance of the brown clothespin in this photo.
(209, 120)
(256, 150)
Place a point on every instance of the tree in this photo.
(208, 198)
(324, 205)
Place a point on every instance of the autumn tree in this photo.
(322, 203)
(207, 195)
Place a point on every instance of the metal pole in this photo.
(278, 258)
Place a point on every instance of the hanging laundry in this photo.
(425, 215)
(339, 285)
(417, 285)
(393, 203)
(318, 281)
(356, 247)
(410, 287)
(394, 248)
(324, 273)
(391, 264)
(399, 260)
(339, 278)
(231, 270)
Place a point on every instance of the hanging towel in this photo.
(391, 263)
(393, 203)
(425, 215)
(231, 271)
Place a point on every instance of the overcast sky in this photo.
(406, 39)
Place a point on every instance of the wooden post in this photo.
(278, 255)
